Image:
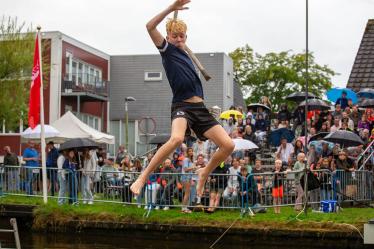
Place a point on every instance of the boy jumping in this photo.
(187, 110)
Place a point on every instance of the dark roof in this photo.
(362, 74)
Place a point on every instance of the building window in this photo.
(152, 76)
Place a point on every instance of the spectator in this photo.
(12, 170)
(88, 173)
(247, 188)
(31, 156)
(355, 115)
(257, 171)
(345, 118)
(277, 190)
(325, 152)
(260, 124)
(364, 134)
(312, 157)
(299, 168)
(100, 157)
(325, 179)
(261, 111)
(186, 179)
(284, 114)
(265, 101)
(337, 113)
(121, 154)
(51, 164)
(299, 147)
(127, 178)
(229, 125)
(342, 101)
(285, 152)
(325, 127)
(336, 125)
(217, 183)
(249, 134)
(199, 148)
(109, 172)
(299, 117)
(168, 181)
(61, 176)
(71, 166)
(240, 124)
(231, 191)
(363, 123)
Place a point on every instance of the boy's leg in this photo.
(225, 144)
(178, 130)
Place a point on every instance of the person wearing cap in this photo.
(343, 101)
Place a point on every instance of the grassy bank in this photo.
(52, 215)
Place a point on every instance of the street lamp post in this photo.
(127, 99)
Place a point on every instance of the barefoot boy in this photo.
(187, 110)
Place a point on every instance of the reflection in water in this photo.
(148, 240)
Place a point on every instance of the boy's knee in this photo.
(176, 140)
(229, 146)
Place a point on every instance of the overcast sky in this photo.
(118, 26)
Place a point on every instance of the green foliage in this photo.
(16, 58)
(277, 75)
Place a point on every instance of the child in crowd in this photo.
(277, 190)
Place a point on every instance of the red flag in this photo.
(34, 101)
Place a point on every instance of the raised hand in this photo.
(179, 4)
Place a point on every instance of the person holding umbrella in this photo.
(342, 101)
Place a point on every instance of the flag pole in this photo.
(42, 132)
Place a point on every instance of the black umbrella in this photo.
(344, 138)
(255, 106)
(300, 96)
(78, 143)
(318, 136)
(160, 139)
(315, 104)
(366, 93)
(367, 103)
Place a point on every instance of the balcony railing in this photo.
(84, 83)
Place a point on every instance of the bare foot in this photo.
(201, 182)
(137, 186)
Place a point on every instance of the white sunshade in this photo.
(71, 127)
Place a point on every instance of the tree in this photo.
(16, 58)
(277, 75)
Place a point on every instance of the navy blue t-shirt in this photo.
(182, 76)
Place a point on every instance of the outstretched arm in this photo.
(156, 36)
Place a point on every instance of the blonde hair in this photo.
(175, 26)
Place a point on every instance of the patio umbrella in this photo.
(78, 143)
(299, 96)
(49, 131)
(318, 136)
(278, 134)
(315, 104)
(367, 103)
(160, 139)
(344, 138)
(244, 144)
(255, 106)
(366, 93)
(335, 93)
(229, 113)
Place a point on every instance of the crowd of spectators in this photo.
(236, 180)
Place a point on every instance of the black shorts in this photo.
(198, 117)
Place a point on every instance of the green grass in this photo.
(52, 214)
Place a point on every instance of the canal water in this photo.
(155, 240)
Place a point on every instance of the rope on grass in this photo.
(354, 228)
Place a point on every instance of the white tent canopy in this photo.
(71, 127)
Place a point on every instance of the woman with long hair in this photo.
(188, 167)
(88, 173)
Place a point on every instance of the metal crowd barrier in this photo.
(165, 190)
